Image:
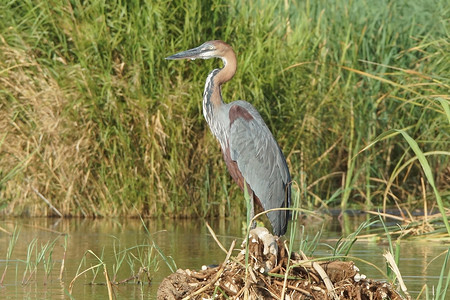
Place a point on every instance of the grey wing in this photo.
(262, 165)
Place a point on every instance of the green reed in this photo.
(443, 282)
(96, 120)
(41, 254)
(9, 251)
(143, 260)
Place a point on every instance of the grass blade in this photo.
(446, 107)
(441, 290)
(428, 174)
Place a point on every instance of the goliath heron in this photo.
(249, 149)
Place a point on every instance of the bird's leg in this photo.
(270, 244)
(252, 211)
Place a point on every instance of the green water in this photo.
(186, 241)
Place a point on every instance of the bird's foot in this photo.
(269, 241)
(263, 248)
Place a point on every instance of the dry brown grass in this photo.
(40, 149)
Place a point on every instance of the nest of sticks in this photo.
(267, 272)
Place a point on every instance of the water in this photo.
(186, 241)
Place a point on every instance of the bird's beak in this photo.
(189, 54)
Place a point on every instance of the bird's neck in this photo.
(212, 102)
(212, 96)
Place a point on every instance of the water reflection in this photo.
(187, 241)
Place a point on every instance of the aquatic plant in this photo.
(94, 120)
(9, 251)
(143, 262)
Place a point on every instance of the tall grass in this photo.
(95, 120)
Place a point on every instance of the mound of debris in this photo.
(265, 277)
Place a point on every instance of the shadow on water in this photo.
(188, 242)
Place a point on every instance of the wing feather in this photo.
(261, 162)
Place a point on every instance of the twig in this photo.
(326, 280)
(391, 261)
(424, 195)
(219, 273)
(4, 230)
(134, 277)
(46, 201)
(305, 292)
(215, 238)
(108, 283)
(288, 262)
(61, 271)
(323, 275)
(78, 275)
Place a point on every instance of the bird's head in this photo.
(206, 50)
